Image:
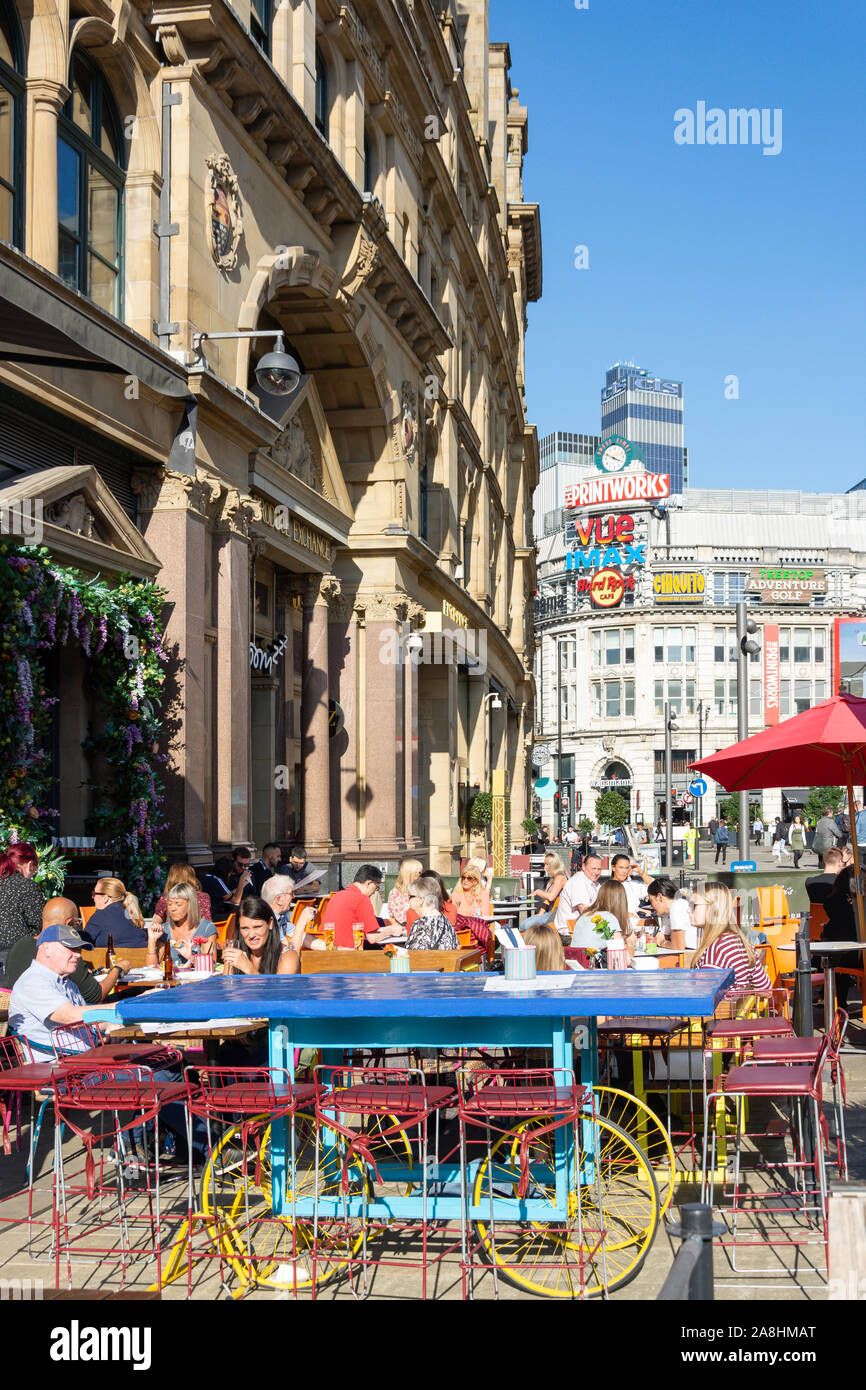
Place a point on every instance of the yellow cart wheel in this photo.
(646, 1129)
(269, 1251)
(593, 1251)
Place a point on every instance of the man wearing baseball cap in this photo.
(44, 997)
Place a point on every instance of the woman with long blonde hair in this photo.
(610, 910)
(117, 915)
(549, 953)
(547, 896)
(399, 896)
(181, 872)
(185, 928)
(471, 898)
(723, 945)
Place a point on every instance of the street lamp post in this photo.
(558, 730)
(494, 703)
(699, 801)
(745, 648)
(670, 727)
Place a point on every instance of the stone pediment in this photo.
(303, 458)
(73, 512)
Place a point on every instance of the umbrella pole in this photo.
(853, 821)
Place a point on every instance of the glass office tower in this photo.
(648, 410)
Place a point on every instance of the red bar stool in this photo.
(526, 1107)
(84, 1043)
(21, 1075)
(802, 1052)
(241, 1103)
(799, 1087)
(387, 1102)
(125, 1099)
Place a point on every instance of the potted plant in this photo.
(530, 828)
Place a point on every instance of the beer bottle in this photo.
(167, 966)
(110, 958)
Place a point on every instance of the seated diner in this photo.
(257, 948)
(183, 926)
(723, 945)
(432, 930)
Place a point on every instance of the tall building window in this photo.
(729, 587)
(658, 644)
(618, 646)
(802, 696)
(260, 24)
(569, 653)
(675, 697)
(612, 703)
(321, 94)
(818, 652)
(90, 179)
(784, 699)
(802, 644)
(11, 126)
(566, 702)
(689, 644)
(675, 645)
(725, 701)
(596, 699)
(755, 711)
(784, 644)
(719, 695)
(820, 691)
(628, 698)
(596, 648)
(690, 697)
(612, 648)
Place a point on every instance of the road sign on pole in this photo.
(698, 787)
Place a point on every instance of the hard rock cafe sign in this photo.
(223, 214)
(606, 588)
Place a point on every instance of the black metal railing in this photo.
(691, 1275)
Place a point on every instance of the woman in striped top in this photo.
(723, 946)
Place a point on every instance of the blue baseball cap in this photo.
(67, 936)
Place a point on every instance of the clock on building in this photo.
(615, 453)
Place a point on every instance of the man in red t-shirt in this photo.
(353, 905)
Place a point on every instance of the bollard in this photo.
(691, 1276)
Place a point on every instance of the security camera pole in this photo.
(745, 648)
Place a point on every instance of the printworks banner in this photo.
(771, 673)
(626, 487)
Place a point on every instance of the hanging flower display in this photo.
(45, 605)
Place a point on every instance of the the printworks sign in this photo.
(625, 487)
(771, 673)
(281, 519)
(679, 586)
(793, 585)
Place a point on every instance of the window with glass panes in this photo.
(11, 126)
(725, 699)
(679, 694)
(260, 24)
(802, 644)
(569, 653)
(596, 699)
(321, 94)
(90, 179)
(755, 709)
(724, 644)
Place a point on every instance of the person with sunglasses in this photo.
(62, 912)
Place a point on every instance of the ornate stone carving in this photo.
(163, 489)
(223, 212)
(293, 450)
(73, 514)
(417, 614)
(173, 45)
(238, 512)
(362, 267)
(608, 744)
(409, 422)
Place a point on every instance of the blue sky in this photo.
(704, 261)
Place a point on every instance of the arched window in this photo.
(90, 179)
(11, 125)
(321, 94)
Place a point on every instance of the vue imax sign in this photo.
(625, 487)
(607, 541)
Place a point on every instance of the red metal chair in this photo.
(388, 1102)
(127, 1100)
(802, 1052)
(83, 1043)
(250, 1099)
(799, 1087)
(497, 1103)
(21, 1075)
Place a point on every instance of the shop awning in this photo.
(45, 323)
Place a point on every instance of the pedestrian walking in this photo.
(827, 834)
(758, 827)
(721, 840)
(797, 839)
(780, 840)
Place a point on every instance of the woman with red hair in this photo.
(21, 899)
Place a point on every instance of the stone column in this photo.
(384, 727)
(45, 101)
(176, 512)
(316, 694)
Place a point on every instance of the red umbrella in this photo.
(824, 746)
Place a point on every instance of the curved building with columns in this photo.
(349, 567)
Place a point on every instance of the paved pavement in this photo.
(796, 1275)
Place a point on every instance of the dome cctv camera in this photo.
(277, 372)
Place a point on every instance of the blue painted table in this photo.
(373, 1011)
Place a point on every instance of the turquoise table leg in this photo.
(282, 1054)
